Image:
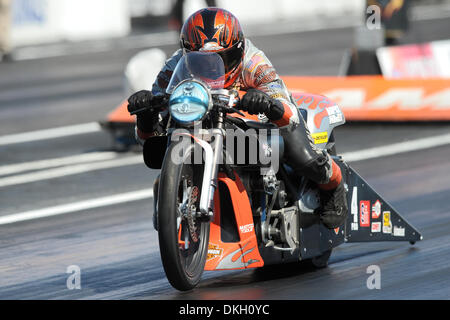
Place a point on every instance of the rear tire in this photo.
(183, 256)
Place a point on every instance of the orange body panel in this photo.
(236, 255)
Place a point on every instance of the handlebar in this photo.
(158, 103)
(224, 101)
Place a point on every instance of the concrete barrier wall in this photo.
(40, 21)
(269, 11)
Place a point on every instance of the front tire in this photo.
(183, 238)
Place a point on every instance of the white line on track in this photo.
(397, 148)
(69, 170)
(78, 206)
(56, 162)
(50, 133)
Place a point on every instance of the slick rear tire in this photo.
(183, 267)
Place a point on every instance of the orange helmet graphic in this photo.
(218, 30)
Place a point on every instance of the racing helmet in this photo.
(216, 30)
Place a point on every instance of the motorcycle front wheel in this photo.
(183, 237)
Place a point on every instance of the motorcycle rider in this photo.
(248, 69)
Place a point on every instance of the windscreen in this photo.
(207, 67)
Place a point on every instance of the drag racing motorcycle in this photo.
(226, 199)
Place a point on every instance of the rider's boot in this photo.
(333, 198)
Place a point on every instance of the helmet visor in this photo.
(232, 56)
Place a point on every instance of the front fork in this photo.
(213, 152)
(213, 157)
(211, 141)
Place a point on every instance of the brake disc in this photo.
(191, 212)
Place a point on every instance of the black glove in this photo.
(139, 100)
(148, 120)
(256, 101)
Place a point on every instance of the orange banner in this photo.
(375, 98)
(366, 98)
(121, 114)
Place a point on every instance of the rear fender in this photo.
(321, 115)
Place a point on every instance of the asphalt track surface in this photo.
(116, 247)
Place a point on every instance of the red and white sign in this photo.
(376, 227)
(247, 228)
(364, 213)
(376, 210)
(426, 60)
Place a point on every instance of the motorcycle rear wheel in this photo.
(183, 238)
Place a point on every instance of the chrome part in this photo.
(187, 211)
(266, 227)
(271, 183)
(212, 159)
(309, 201)
(191, 212)
(207, 172)
(207, 177)
(230, 97)
(283, 249)
(218, 135)
(289, 225)
(282, 227)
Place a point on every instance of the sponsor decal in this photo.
(264, 74)
(399, 231)
(376, 227)
(320, 137)
(387, 225)
(334, 114)
(254, 62)
(276, 86)
(354, 209)
(213, 251)
(247, 228)
(278, 96)
(376, 210)
(364, 213)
